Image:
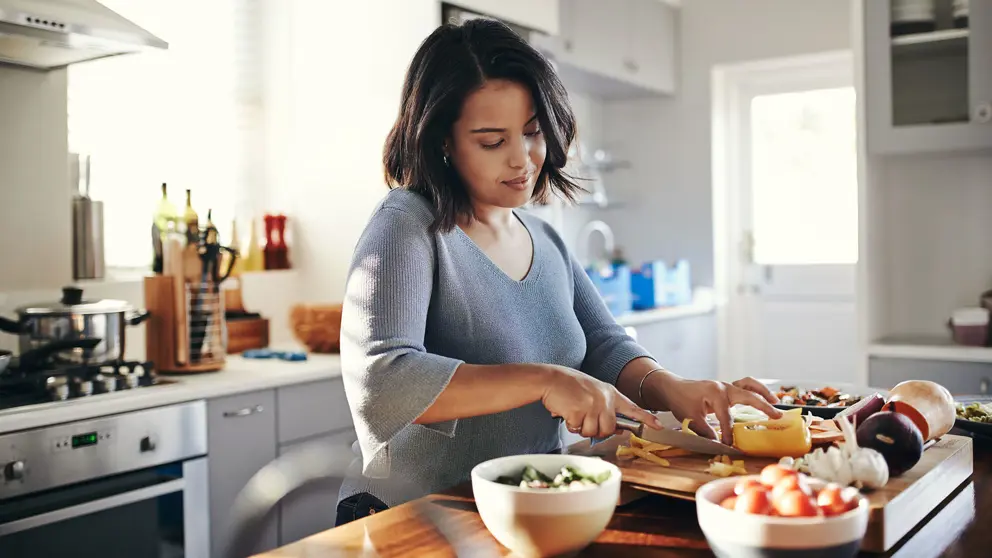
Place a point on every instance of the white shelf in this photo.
(931, 43)
(928, 348)
(943, 35)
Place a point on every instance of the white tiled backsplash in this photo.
(272, 294)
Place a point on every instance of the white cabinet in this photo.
(650, 57)
(314, 509)
(246, 432)
(686, 346)
(928, 91)
(241, 433)
(541, 15)
(617, 49)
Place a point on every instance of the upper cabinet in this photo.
(928, 75)
(616, 49)
(541, 15)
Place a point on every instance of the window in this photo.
(189, 116)
(804, 177)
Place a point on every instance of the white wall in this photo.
(668, 212)
(35, 195)
(338, 71)
(934, 222)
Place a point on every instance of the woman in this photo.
(469, 330)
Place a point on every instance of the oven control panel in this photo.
(44, 458)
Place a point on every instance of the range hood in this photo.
(50, 34)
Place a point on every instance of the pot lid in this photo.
(73, 303)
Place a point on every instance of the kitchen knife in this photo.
(689, 442)
(672, 435)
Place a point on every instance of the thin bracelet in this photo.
(640, 386)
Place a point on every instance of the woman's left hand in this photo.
(694, 399)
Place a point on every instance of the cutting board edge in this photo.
(954, 471)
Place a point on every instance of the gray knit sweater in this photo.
(420, 304)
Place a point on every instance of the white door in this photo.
(785, 166)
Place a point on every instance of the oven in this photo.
(127, 485)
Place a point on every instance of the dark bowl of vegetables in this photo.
(546, 504)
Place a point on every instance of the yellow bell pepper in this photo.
(787, 436)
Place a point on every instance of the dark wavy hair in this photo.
(452, 62)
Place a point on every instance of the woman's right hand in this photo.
(589, 406)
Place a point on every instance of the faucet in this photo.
(585, 235)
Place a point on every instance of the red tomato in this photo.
(795, 503)
(832, 500)
(773, 473)
(729, 503)
(754, 500)
(789, 483)
(744, 484)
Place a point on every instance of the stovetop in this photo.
(67, 382)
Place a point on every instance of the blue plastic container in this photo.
(613, 284)
(655, 284)
(647, 285)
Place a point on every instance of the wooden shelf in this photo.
(928, 348)
(936, 42)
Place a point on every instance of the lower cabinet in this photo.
(246, 432)
(314, 509)
(241, 437)
(686, 345)
(960, 378)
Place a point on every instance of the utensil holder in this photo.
(187, 331)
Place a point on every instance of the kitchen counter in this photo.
(239, 375)
(702, 303)
(653, 526)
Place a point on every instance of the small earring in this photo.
(447, 161)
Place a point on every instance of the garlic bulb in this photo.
(832, 465)
(849, 464)
(869, 468)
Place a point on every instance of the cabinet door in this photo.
(960, 378)
(664, 339)
(980, 65)
(241, 432)
(314, 510)
(650, 57)
(699, 347)
(591, 36)
(927, 91)
(313, 408)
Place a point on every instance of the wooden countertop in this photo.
(654, 526)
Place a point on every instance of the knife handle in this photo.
(631, 425)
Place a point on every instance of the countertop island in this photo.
(653, 526)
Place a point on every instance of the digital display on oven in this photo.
(84, 440)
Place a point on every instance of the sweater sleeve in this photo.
(389, 377)
(608, 347)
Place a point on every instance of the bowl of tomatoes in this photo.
(781, 513)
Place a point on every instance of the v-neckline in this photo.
(535, 260)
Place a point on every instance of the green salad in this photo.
(975, 412)
(569, 478)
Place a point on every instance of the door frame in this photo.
(729, 162)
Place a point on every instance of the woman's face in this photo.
(496, 145)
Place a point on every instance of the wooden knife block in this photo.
(168, 330)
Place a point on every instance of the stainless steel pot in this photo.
(73, 318)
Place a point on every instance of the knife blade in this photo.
(689, 442)
(672, 435)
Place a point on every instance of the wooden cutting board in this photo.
(895, 509)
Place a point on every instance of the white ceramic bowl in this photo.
(733, 534)
(544, 522)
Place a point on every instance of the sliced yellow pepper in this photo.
(787, 436)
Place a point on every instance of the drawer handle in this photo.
(244, 412)
(983, 112)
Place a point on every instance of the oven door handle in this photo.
(94, 506)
